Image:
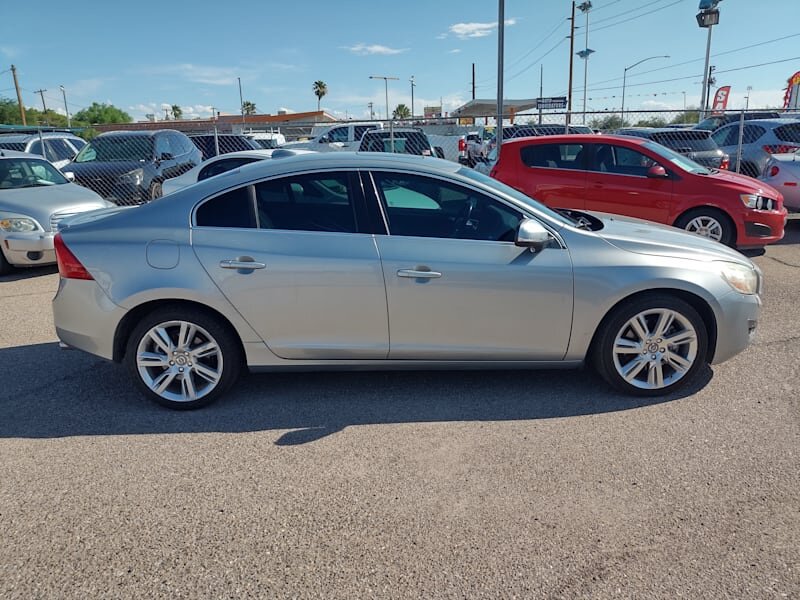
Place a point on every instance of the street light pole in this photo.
(66, 108)
(625, 77)
(386, 88)
(707, 18)
(585, 7)
(241, 101)
(413, 85)
(501, 9)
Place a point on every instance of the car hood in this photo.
(645, 237)
(41, 202)
(102, 169)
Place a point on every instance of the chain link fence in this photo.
(128, 163)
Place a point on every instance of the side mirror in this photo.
(656, 172)
(324, 139)
(532, 234)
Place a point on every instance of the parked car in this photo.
(34, 198)
(130, 167)
(783, 173)
(406, 140)
(716, 121)
(58, 147)
(640, 178)
(696, 144)
(546, 129)
(335, 137)
(760, 139)
(311, 261)
(267, 139)
(211, 144)
(222, 164)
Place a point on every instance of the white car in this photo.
(223, 163)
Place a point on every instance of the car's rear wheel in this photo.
(183, 358)
(710, 223)
(651, 345)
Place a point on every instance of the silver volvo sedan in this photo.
(353, 261)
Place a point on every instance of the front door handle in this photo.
(242, 263)
(418, 274)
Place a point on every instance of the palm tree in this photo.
(177, 112)
(320, 90)
(249, 108)
(401, 112)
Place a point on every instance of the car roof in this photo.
(263, 153)
(15, 154)
(26, 137)
(137, 133)
(574, 138)
(771, 122)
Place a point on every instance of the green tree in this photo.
(177, 111)
(249, 108)
(401, 112)
(651, 122)
(688, 116)
(612, 121)
(320, 90)
(101, 114)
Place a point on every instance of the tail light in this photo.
(779, 148)
(774, 170)
(69, 267)
(462, 145)
(725, 163)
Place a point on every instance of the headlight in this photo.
(134, 177)
(742, 279)
(18, 225)
(757, 202)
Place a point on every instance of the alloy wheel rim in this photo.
(705, 226)
(179, 361)
(655, 348)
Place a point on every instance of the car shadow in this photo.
(83, 395)
(29, 273)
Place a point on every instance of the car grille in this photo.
(56, 218)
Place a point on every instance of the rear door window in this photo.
(222, 166)
(620, 160)
(231, 209)
(554, 156)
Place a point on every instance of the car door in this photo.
(552, 173)
(293, 256)
(457, 286)
(617, 183)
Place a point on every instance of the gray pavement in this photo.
(400, 485)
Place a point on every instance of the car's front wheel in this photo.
(651, 345)
(183, 358)
(710, 223)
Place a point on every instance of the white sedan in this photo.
(221, 164)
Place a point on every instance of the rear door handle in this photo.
(242, 263)
(416, 274)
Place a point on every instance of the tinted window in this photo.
(339, 134)
(231, 209)
(427, 207)
(58, 149)
(221, 166)
(621, 161)
(117, 148)
(319, 202)
(751, 134)
(19, 147)
(78, 143)
(788, 133)
(553, 156)
(360, 130)
(685, 141)
(727, 136)
(405, 142)
(36, 148)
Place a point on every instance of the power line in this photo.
(627, 13)
(596, 8)
(543, 40)
(537, 61)
(595, 29)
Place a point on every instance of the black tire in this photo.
(178, 366)
(5, 266)
(679, 366)
(688, 221)
(156, 190)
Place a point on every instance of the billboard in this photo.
(792, 97)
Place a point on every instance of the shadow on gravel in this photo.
(29, 273)
(49, 392)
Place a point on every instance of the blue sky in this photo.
(145, 55)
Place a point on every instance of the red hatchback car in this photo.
(640, 178)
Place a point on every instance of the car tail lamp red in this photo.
(774, 170)
(725, 163)
(69, 267)
(462, 145)
(780, 148)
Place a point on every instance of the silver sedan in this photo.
(353, 261)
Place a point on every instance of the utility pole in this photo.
(571, 56)
(241, 100)
(413, 85)
(41, 93)
(585, 7)
(541, 90)
(501, 27)
(386, 88)
(19, 96)
(473, 81)
(371, 112)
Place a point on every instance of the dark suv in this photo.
(128, 167)
(222, 143)
(717, 121)
(696, 144)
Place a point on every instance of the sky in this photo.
(145, 56)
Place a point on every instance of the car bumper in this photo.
(736, 324)
(85, 318)
(761, 228)
(28, 249)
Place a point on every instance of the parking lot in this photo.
(384, 485)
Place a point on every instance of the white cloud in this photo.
(368, 49)
(204, 74)
(196, 111)
(466, 31)
(454, 51)
(9, 51)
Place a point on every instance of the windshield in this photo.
(679, 160)
(18, 173)
(685, 141)
(111, 149)
(516, 195)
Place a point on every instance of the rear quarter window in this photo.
(788, 133)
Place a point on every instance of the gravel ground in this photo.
(400, 485)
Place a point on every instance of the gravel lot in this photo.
(394, 485)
